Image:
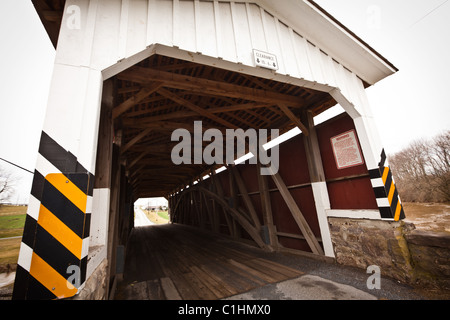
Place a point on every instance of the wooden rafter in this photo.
(162, 94)
(203, 112)
(243, 190)
(141, 95)
(293, 118)
(250, 229)
(144, 76)
(297, 214)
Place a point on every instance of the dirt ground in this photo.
(155, 218)
(428, 216)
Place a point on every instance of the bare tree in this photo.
(422, 170)
(7, 185)
(439, 161)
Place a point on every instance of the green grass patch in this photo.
(12, 222)
(164, 214)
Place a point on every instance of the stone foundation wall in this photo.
(430, 255)
(95, 287)
(401, 252)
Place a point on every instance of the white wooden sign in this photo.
(346, 150)
(265, 60)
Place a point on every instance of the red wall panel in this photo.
(348, 188)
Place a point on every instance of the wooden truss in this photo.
(161, 94)
(200, 205)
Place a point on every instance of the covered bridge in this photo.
(130, 75)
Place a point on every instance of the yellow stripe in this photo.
(60, 231)
(385, 174)
(397, 211)
(391, 192)
(68, 189)
(50, 278)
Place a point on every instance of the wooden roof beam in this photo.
(141, 95)
(293, 118)
(203, 112)
(145, 76)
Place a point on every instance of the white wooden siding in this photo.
(115, 30)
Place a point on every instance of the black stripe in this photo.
(29, 231)
(83, 270)
(73, 165)
(90, 191)
(388, 182)
(20, 284)
(63, 208)
(87, 225)
(383, 159)
(56, 154)
(38, 185)
(374, 173)
(54, 253)
(37, 291)
(380, 192)
(63, 160)
(386, 212)
(81, 180)
(394, 202)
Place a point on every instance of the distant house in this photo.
(152, 208)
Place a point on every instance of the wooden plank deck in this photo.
(173, 262)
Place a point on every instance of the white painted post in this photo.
(319, 186)
(55, 233)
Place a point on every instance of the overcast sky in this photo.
(413, 34)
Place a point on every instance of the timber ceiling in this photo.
(50, 12)
(161, 94)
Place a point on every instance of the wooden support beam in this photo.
(137, 159)
(312, 150)
(135, 140)
(144, 76)
(219, 190)
(266, 205)
(203, 112)
(293, 118)
(318, 184)
(209, 212)
(138, 97)
(297, 214)
(234, 200)
(186, 113)
(246, 225)
(247, 201)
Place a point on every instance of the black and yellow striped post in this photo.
(386, 193)
(53, 255)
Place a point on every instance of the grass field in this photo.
(160, 217)
(12, 220)
(164, 214)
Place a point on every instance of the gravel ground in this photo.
(339, 275)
